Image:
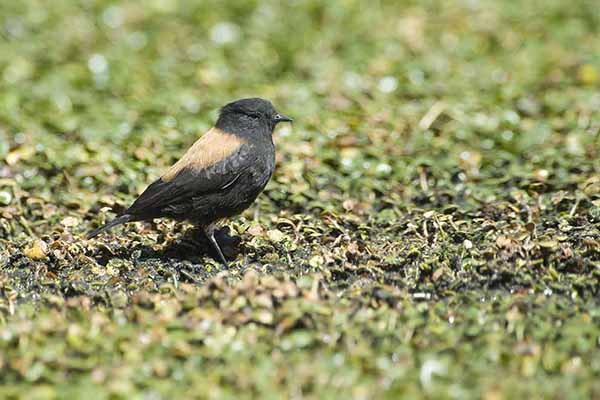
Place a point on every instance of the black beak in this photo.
(282, 118)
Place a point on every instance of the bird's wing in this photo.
(210, 165)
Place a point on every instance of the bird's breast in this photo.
(260, 171)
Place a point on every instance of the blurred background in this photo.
(109, 93)
(431, 230)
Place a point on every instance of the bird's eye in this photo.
(254, 115)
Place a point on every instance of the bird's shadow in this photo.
(193, 245)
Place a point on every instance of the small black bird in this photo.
(218, 177)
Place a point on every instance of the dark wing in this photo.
(209, 166)
(185, 186)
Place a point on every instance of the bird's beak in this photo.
(282, 118)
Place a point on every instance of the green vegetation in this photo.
(432, 229)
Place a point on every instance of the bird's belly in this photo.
(237, 197)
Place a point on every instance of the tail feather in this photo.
(117, 221)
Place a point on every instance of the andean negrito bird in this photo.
(218, 177)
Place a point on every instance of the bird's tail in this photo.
(117, 221)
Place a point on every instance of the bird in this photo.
(218, 177)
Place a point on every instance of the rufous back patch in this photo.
(214, 146)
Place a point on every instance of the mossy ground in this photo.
(432, 229)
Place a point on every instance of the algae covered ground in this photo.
(432, 229)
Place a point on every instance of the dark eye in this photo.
(254, 115)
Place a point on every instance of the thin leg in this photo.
(209, 231)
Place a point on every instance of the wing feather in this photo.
(215, 161)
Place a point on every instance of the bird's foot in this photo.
(217, 243)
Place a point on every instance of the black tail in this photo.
(117, 221)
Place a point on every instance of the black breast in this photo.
(237, 194)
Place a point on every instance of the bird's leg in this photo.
(209, 231)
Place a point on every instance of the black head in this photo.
(250, 117)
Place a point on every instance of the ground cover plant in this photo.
(432, 229)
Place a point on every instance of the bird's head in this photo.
(250, 116)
